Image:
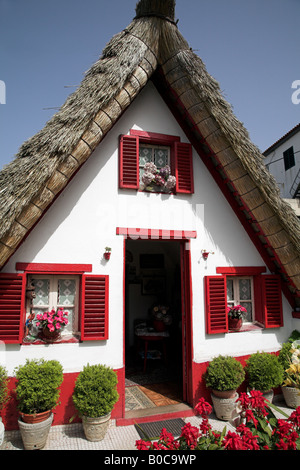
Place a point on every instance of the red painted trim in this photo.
(54, 268)
(241, 270)
(155, 137)
(12, 307)
(155, 234)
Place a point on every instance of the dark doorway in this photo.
(153, 291)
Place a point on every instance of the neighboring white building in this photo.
(283, 161)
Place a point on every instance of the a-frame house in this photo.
(79, 185)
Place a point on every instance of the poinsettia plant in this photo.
(159, 177)
(53, 320)
(236, 311)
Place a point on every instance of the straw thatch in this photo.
(151, 48)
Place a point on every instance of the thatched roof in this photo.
(151, 48)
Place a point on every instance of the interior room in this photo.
(153, 327)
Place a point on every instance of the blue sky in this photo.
(251, 47)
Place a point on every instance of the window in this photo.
(57, 292)
(240, 292)
(85, 296)
(289, 158)
(259, 293)
(141, 147)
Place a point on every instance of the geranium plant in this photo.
(53, 320)
(256, 428)
(159, 177)
(236, 311)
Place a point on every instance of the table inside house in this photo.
(149, 335)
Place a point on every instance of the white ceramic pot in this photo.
(95, 428)
(34, 436)
(224, 407)
(291, 396)
(2, 431)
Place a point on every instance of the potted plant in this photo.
(107, 253)
(223, 376)
(3, 398)
(235, 316)
(264, 373)
(37, 393)
(94, 397)
(52, 323)
(289, 357)
(161, 318)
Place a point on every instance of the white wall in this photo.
(83, 220)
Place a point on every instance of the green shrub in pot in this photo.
(264, 371)
(37, 392)
(224, 373)
(94, 397)
(38, 383)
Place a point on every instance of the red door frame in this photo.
(186, 302)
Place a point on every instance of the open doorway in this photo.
(155, 336)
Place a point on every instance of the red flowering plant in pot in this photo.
(52, 323)
(235, 314)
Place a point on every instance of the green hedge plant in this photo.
(4, 394)
(264, 371)
(95, 391)
(224, 373)
(38, 383)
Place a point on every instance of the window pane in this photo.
(145, 155)
(41, 292)
(230, 295)
(245, 289)
(248, 316)
(66, 292)
(161, 157)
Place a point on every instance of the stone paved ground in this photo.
(71, 437)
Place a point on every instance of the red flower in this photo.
(142, 445)
(295, 417)
(190, 434)
(203, 408)
(233, 441)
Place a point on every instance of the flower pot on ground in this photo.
(223, 376)
(94, 397)
(37, 392)
(3, 399)
(291, 385)
(264, 373)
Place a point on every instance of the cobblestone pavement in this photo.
(71, 436)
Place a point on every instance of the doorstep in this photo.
(180, 410)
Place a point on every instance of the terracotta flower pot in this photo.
(107, 255)
(35, 417)
(224, 393)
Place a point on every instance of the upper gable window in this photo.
(289, 158)
(155, 162)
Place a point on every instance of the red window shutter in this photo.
(272, 301)
(216, 304)
(129, 162)
(94, 305)
(12, 307)
(184, 168)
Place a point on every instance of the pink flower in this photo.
(57, 326)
